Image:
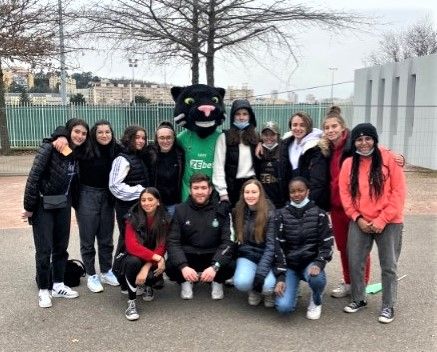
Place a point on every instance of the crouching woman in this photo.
(147, 225)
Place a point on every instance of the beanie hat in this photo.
(364, 129)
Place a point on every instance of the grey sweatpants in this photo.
(359, 245)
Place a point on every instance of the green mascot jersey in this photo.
(199, 156)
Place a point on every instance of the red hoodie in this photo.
(389, 207)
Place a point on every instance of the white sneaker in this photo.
(62, 291)
(343, 290)
(269, 300)
(109, 278)
(94, 284)
(44, 299)
(314, 311)
(254, 298)
(187, 290)
(148, 295)
(131, 311)
(140, 290)
(217, 291)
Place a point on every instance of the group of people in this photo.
(262, 218)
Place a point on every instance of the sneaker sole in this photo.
(217, 298)
(109, 283)
(187, 298)
(64, 296)
(132, 318)
(385, 320)
(313, 317)
(350, 310)
(338, 295)
(45, 305)
(148, 298)
(95, 290)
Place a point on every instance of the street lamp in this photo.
(132, 63)
(332, 69)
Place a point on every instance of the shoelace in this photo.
(386, 312)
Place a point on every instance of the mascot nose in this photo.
(206, 109)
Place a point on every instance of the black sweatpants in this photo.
(51, 234)
(199, 262)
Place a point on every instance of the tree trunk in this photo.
(195, 60)
(210, 70)
(210, 50)
(4, 134)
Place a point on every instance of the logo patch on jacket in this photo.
(215, 223)
(188, 222)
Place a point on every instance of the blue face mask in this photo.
(241, 125)
(301, 204)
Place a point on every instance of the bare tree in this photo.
(394, 46)
(188, 30)
(27, 32)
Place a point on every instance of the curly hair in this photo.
(128, 139)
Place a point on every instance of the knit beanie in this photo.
(364, 129)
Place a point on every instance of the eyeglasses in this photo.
(165, 138)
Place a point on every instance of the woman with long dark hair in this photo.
(47, 205)
(147, 226)
(255, 234)
(372, 190)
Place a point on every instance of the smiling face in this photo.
(251, 194)
(140, 140)
(165, 137)
(298, 127)
(364, 144)
(103, 134)
(200, 192)
(333, 129)
(269, 137)
(149, 203)
(298, 191)
(78, 135)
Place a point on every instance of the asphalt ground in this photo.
(96, 321)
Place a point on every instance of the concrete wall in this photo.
(400, 99)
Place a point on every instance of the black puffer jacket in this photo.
(50, 175)
(199, 230)
(260, 253)
(304, 236)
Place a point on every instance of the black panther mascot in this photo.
(199, 109)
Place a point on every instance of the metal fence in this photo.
(28, 125)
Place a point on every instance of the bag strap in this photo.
(81, 264)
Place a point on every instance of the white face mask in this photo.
(301, 204)
(241, 125)
(270, 146)
(365, 154)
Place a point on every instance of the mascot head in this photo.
(199, 108)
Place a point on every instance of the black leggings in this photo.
(133, 266)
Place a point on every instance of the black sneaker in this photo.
(387, 315)
(355, 306)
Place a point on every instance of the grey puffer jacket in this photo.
(50, 174)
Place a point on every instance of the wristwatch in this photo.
(216, 266)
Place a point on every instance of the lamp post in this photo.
(132, 63)
(332, 69)
(62, 88)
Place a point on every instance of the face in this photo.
(200, 192)
(333, 129)
(103, 134)
(298, 191)
(78, 135)
(298, 127)
(251, 194)
(149, 203)
(364, 144)
(242, 115)
(269, 137)
(140, 140)
(165, 137)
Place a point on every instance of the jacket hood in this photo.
(243, 104)
(311, 139)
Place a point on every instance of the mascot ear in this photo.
(222, 92)
(176, 91)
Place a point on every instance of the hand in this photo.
(399, 159)
(190, 274)
(224, 207)
(208, 274)
(364, 225)
(60, 143)
(161, 267)
(280, 288)
(141, 277)
(376, 229)
(259, 150)
(26, 214)
(314, 270)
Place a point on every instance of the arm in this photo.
(266, 261)
(224, 252)
(280, 262)
(218, 173)
(134, 247)
(326, 241)
(345, 195)
(121, 190)
(176, 254)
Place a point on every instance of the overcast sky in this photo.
(318, 51)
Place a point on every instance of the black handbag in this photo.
(54, 202)
(74, 270)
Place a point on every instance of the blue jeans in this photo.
(245, 275)
(287, 303)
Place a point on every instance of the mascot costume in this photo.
(200, 110)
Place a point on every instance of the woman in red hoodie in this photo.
(147, 225)
(372, 191)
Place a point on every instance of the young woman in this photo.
(304, 246)
(147, 226)
(302, 156)
(165, 162)
(372, 191)
(234, 157)
(255, 232)
(53, 174)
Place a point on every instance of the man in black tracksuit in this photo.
(199, 244)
